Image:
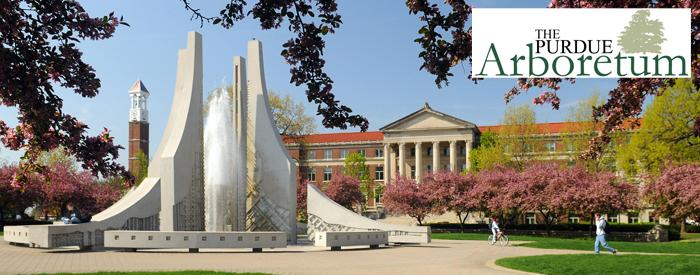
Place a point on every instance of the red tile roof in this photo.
(542, 128)
(340, 137)
(560, 127)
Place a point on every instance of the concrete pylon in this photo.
(178, 162)
(270, 173)
(240, 96)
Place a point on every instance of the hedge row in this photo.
(692, 228)
(618, 227)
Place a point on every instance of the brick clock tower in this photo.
(138, 125)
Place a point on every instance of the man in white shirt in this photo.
(600, 235)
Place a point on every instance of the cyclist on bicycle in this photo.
(495, 229)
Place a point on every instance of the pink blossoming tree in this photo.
(451, 191)
(404, 196)
(676, 192)
(344, 190)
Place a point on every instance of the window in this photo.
(445, 167)
(445, 151)
(430, 168)
(361, 152)
(551, 146)
(311, 154)
(574, 219)
(530, 218)
(328, 154)
(327, 173)
(570, 146)
(529, 148)
(429, 151)
(379, 173)
(343, 153)
(311, 174)
(614, 218)
(378, 194)
(413, 172)
(462, 150)
(379, 153)
(413, 152)
(464, 167)
(633, 217)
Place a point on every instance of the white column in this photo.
(467, 149)
(392, 162)
(419, 162)
(436, 156)
(387, 163)
(402, 158)
(453, 155)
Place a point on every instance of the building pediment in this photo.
(427, 119)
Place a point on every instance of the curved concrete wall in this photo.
(327, 215)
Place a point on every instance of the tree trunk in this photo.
(683, 225)
(461, 222)
(591, 224)
(2, 215)
(547, 223)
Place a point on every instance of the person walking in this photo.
(601, 223)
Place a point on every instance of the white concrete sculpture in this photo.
(194, 240)
(178, 161)
(271, 177)
(171, 198)
(325, 215)
(336, 240)
(174, 182)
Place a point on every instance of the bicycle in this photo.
(502, 241)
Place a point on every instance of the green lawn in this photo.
(604, 264)
(186, 272)
(689, 236)
(688, 247)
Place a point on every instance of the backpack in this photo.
(606, 228)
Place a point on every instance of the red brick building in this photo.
(419, 143)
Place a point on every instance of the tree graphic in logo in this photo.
(642, 35)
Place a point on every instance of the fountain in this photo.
(226, 183)
(220, 163)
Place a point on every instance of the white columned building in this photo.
(427, 133)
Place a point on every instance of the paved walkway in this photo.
(439, 257)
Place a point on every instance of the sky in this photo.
(372, 59)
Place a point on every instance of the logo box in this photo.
(581, 43)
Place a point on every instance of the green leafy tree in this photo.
(642, 35)
(489, 154)
(289, 116)
(666, 133)
(142, 172)
(579, 131)
(517, 134)
(356, 167)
